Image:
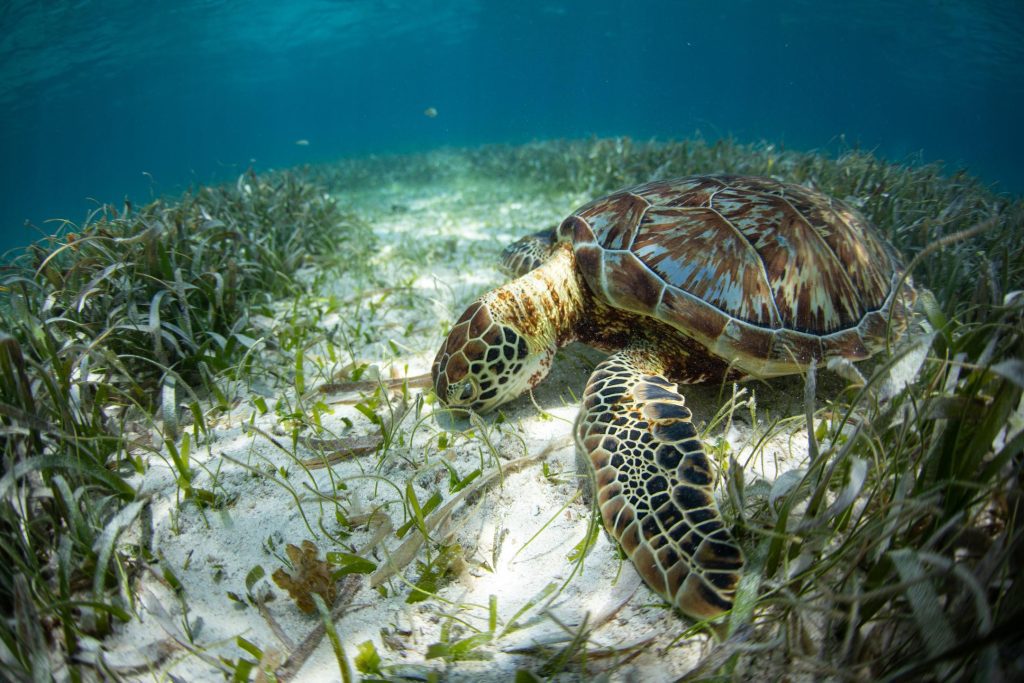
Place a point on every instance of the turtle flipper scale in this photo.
(526, 253)
(653, 485)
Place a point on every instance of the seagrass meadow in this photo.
(222, 459)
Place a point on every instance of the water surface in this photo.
(103, 100)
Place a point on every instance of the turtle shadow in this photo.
(777, 396)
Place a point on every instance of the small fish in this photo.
(430, 112)
(302, 143)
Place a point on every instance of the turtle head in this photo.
(486, 361)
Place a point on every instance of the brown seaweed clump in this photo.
(309, 575)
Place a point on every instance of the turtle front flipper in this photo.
(653, 484)
(526, 253)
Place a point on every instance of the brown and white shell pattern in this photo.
(765, 274)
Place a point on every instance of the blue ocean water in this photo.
(103, 100)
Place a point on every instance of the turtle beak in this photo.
(455, 389)
(462, 395)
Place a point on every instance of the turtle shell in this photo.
(765, 274)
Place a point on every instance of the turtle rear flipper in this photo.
(653, 484)
(526, 253)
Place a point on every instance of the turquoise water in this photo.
(102, 100)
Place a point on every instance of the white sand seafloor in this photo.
(514, 531)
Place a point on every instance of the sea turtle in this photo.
(683, 281)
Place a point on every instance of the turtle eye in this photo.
(467, 392)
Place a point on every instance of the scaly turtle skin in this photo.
(682, 281)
